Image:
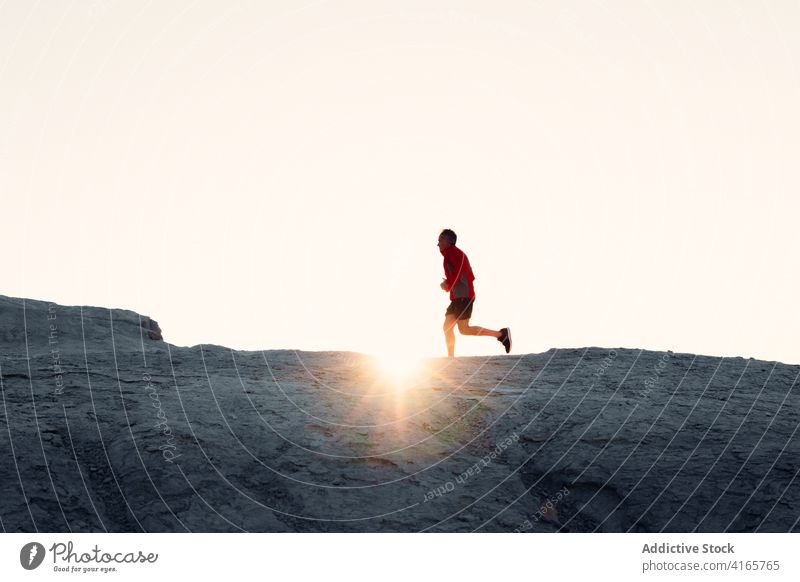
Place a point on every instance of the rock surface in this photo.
(106, 427)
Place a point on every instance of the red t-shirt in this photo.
(458, 272)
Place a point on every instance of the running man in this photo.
(458, 280)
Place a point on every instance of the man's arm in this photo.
(449, 280)
(452, 272)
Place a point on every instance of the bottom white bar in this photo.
(371, 557)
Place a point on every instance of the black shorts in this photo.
(461, 307)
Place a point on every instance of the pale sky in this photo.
(269, 175)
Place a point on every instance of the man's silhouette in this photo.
(458, 281)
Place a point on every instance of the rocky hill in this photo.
(107, 427)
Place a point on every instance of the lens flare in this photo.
(398, 368)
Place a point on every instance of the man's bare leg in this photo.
(466, 329)
(450, 334)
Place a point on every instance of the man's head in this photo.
(447, 238)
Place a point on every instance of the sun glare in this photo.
(400, 369)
